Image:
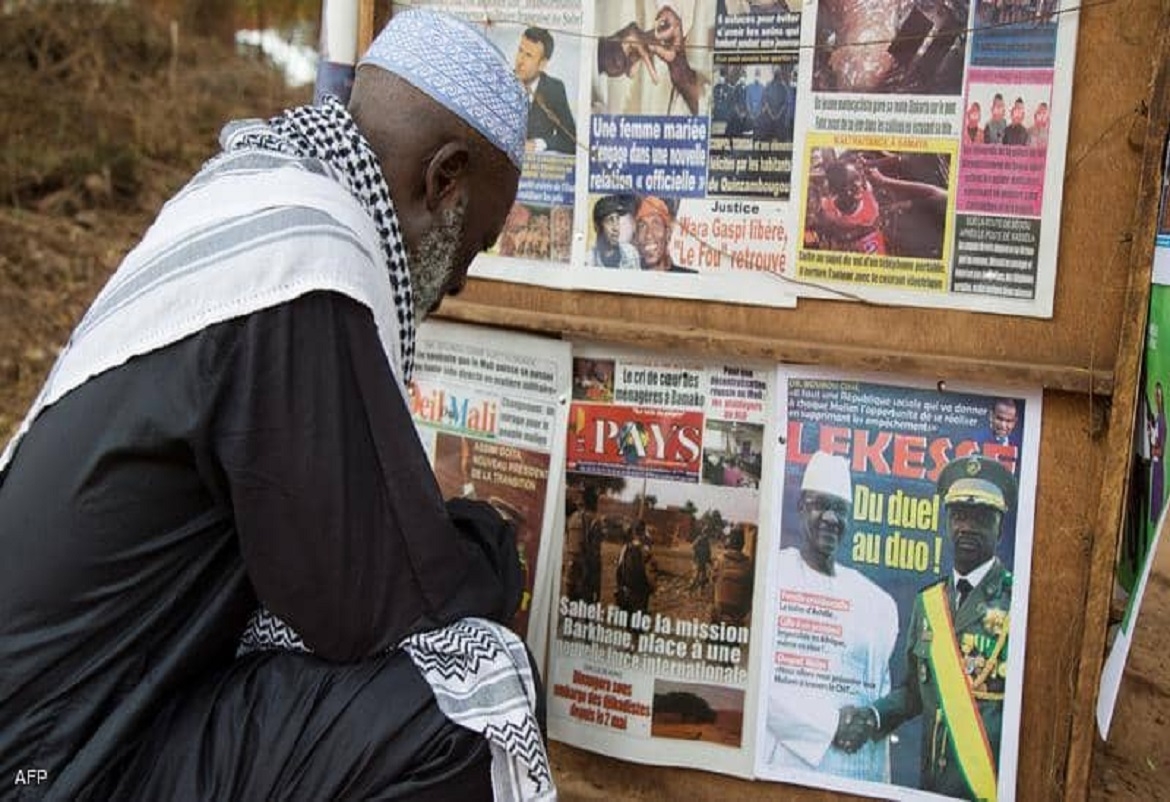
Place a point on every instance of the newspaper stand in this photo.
(1086, 357)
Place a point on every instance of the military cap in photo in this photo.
(978, 480)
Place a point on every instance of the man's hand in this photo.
(493, 536)
(670, 45)
(621, 53)
(669, 41)
(855, 727)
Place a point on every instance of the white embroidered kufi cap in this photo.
(456, 65)
(829, 474)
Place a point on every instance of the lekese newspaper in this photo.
(898, 587)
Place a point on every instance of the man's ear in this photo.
(445, 173)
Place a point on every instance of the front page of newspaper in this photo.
(490, 408)
(659, 142)
(931, 149)
(897, 596)
(652, 633)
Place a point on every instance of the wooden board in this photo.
(1088, 351)
(1075, 350)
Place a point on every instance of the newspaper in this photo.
(616, 187)
(931, 149)
(1148, 486)
(491, 411)
(876, 680)
(652, 637)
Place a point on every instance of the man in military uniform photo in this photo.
(957, 652)
(581, 578)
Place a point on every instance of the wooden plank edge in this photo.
(937, 367)
(1106, 533)
(365, 31)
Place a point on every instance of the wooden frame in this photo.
(1087, 357)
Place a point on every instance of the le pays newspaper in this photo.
(653, 633)
(758, 573)
(755, 151)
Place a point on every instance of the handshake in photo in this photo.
(855, 727)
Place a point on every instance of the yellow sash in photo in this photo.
(954, 691)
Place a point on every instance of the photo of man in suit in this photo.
(550, 121)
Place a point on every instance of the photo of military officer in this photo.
(958, 647)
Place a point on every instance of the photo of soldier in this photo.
(636, 574)
(877, 202)
(581, 560)
(732, 577)
(701, 556)
(682, 528)
(914, 48)
(958, 644)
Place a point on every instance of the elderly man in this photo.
(811, 729)
(226, 429)
(957, 653)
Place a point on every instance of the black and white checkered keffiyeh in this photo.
(478, 671)
(482, 680)
(328, 134)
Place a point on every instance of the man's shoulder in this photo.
(998, 581)
(549, 83)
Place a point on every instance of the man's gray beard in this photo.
(432, 266)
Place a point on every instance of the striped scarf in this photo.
(328, 134)
(478, 671)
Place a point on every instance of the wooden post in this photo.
(338, 49)
(365, 27)
(1119, 448)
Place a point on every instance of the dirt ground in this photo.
(1135, 763)
(101, 121)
